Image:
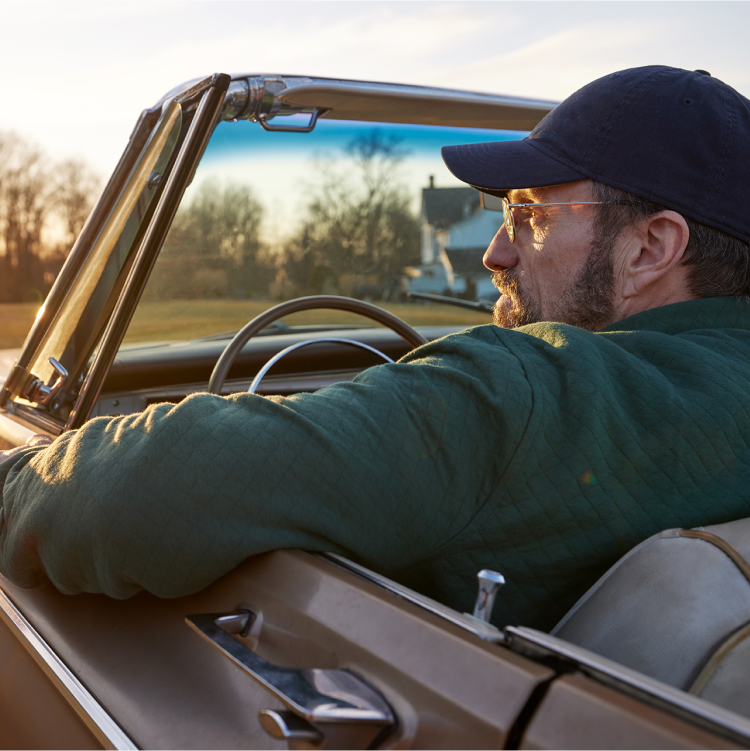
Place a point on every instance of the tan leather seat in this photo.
(677, 608)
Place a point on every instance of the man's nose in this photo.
(501, 254)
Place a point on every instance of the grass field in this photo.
(187, 319)
(15, 322)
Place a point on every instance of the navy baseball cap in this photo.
(676, 137)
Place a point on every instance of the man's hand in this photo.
(39, 439)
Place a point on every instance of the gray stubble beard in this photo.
(585, 303)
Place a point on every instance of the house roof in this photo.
(442, 207)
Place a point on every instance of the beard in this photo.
(586, 302)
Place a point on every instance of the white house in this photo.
(455, 233)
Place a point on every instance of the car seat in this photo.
(677, 608)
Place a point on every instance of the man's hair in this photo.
(719, 264)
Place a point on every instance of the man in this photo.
(544, 451)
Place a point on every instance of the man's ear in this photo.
(654, 250)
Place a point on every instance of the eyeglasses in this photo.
(495, 203)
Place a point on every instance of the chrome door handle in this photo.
(287, 726)
(328, 697)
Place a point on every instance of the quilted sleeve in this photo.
(385, 470)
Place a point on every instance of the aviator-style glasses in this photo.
(495, 203)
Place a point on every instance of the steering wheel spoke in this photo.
(284, 352)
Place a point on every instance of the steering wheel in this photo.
(329, 302)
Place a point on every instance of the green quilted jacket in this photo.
(544, 453)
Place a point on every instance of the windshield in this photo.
(73, 332)
(366, 210)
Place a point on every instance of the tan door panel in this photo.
(578, 712)
(167, 687)
(33, 711)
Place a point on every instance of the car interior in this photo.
(310, 192)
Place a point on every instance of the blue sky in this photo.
(235, 138)
(282, 169)
(77, 73)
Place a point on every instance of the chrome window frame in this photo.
(91, 712)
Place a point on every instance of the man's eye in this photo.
(531, 211)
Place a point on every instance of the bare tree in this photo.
(213, 248)
(43, 207)
(359, 221)
(76, 187)
(24, 204)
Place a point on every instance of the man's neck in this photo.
(671, 289)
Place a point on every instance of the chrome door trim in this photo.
(464, 621)
(537, 644)
(98, 721)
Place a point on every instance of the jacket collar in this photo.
(678, 318)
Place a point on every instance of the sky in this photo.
(77, 73)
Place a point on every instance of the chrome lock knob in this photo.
(489, 585)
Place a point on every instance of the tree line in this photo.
(43, 207)
(358, 232)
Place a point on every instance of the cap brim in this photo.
(506, 165)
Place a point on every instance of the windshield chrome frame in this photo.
(99, 278)
(19, 376)
(188, 99)
(190, 151)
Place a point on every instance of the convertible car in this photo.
(280, 233)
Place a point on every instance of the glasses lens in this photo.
(510, 227)
(491, 203)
